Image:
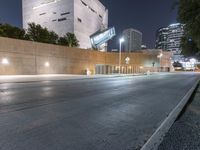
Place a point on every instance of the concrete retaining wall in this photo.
(28, 58)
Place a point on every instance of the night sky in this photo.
(144, 15)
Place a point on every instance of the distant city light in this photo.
(193, 60)
(47, 64)
(5, 61)
(174, 24)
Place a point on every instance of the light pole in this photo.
(121, 40)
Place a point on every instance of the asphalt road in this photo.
(90, 114)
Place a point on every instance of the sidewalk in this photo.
(56, 77)
(185, 133)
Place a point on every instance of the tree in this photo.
(53, 37)
(189, 47)
(189, 14)
(7, 30)
(62, 41)
(69, 40)
(37, 33)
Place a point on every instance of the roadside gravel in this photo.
(185, 133)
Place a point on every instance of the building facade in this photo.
(169, 38)
(133, 40)
(161, 38)
(81, 17)
(175, 34)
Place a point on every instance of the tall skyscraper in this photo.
(133, 40)
(175, 34)
(161, 38)
(169, 38)
(81, 17)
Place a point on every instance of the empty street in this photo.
(115, 113)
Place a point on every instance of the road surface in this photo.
(118, 113)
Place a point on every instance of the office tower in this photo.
(133, 40)
(169, 38)
(161, 38)
(175, 34)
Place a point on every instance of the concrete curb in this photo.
(155, 140)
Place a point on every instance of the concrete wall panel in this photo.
(27, 57)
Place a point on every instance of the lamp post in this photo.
(121, 40)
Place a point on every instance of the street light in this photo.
(121, 40)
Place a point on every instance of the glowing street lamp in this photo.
(121, 40)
